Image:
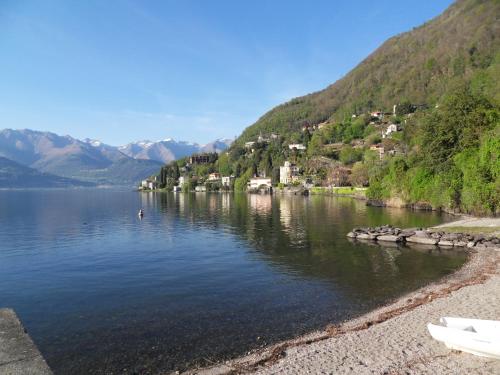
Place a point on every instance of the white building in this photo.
(249, 144)
(149, 184)
(288, 172)
(226, 180)
(297, 146)
(262, 139)
(257, 182)
(214, 176)
(392, 128)
(182, 181)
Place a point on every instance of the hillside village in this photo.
(416, 122)
(440, 156)
(328, 154)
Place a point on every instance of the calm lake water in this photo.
(201, 277)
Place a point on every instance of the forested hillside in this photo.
(417, 122)
(417, 66)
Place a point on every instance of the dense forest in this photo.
(437, 86)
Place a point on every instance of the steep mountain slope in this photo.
(168, 150)
(15, 175)
(418, 66)
(71, 158)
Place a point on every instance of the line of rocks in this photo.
(389, 233)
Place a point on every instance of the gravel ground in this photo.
(490, 223)
(393, 339)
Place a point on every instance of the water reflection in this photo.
(305, 238)
(201, 276)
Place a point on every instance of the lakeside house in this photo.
(288, 173)
(200, 189)
(226, 180)
(150, 184)
(257, 183)
(297, 146)
(214, 176)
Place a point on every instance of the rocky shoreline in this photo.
(388, 233)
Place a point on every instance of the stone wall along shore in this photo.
(389, 233)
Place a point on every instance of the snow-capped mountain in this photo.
(65, 156)
(91, 160)
(168, 149)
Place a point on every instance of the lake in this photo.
(202, 277)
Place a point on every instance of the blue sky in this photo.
(123, 70)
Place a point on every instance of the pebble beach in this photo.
(393, 339)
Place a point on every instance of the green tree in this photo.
(224, 165)
(315, 146)
(359, 175)
(454, 126)
(350, 155)
(176, 172)
(404, 108)
(241, 182)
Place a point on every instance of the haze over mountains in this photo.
(88, 161)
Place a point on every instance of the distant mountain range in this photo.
(87, 161)
(168, 150)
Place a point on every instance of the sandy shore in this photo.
(392, 339)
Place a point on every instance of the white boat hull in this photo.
(478, 337)
(483, 327)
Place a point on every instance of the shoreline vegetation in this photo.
(399, 328)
